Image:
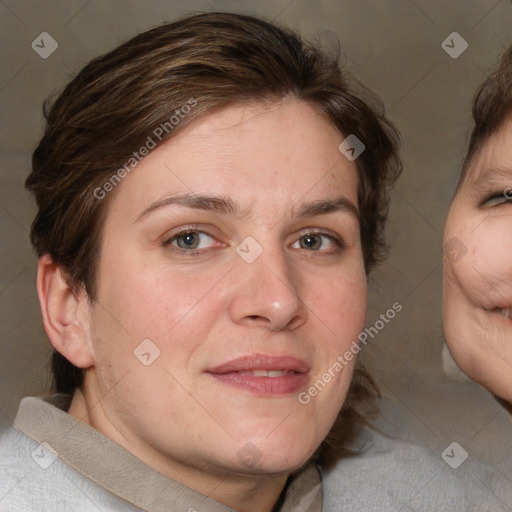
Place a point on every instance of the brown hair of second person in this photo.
(492, 104)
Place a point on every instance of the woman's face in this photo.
(478, 267)
(230, 279)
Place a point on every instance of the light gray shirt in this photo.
(392, 475)
(49, 461)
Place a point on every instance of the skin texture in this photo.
(205, 310)
(478, 267)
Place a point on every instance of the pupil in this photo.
(189, 240)
(311, 241)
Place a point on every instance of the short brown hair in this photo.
(492, 104)
(108, 110)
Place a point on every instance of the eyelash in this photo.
(504, 195)
(195, 252)
(185, 252)
(335, 240)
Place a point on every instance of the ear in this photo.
(65, 314)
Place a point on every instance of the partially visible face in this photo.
(242, 325)
(477, 289)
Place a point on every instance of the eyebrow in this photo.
(224, 205)
(324, 206)
(218, 204)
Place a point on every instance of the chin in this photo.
(280, 456)
(491, 374)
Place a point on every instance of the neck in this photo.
(244, 493)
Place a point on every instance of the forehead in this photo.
(493, 161)
(258, 153)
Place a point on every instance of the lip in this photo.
(235, 373)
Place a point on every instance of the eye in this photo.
(191, 240)
(318, 242)
(498, 198)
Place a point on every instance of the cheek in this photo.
(485, 271)
(477, 246)
(492, 249)
(339, 302)
(149, 301)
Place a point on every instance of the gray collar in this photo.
(115, 469)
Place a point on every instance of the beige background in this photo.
(393, 47)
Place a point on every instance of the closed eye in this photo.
(498, 198)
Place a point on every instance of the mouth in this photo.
(267, 373)
(263, 374)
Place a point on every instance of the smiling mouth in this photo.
(264, 382)
(267, 373)
(263, 374)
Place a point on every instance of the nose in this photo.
(267, 294)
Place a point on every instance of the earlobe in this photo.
(68, 332)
